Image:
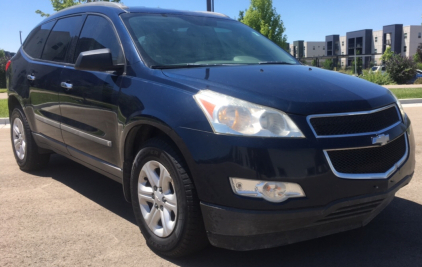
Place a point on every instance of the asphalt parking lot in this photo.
(70, 215)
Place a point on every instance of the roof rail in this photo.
(106, 3)
(215, 13)
(100, 3)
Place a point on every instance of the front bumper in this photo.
(213, 159)
(238, 229)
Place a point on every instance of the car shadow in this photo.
(95, 186)
(393, 238)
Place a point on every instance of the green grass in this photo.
(4, 110)
(403, 93)
(3, 90)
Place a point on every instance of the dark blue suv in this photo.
(216, 134)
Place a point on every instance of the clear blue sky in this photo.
(304, 19)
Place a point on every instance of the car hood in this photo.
(294, 89)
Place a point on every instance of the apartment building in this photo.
(300, 49)
(366, 44)
(371, 44)
(314, 49)
(377, 46)
(297, 49)
(412, 38)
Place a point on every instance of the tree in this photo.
(262, 17)
(328, 64)
(3, 62)
(418, 56)
(358, 69)
(62, 4)
(400, 68)
(387, 55)
(314, 62)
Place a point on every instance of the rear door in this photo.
(43, 99)
(89, 104)
(44, 74)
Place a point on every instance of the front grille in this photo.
(377, 159)
(352, 211)
(361, 122)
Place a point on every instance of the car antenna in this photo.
(20, 35)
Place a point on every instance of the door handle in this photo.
(67, 86)
(30, 77)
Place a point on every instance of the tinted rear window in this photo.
(35, 42)
(60, 38)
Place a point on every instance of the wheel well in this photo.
(13, 103)
(137, 137)
(134, 141)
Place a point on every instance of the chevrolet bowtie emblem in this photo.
(381, 139)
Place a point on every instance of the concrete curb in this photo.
(4, 121)
(403, 86)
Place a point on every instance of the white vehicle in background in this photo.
(378, 69)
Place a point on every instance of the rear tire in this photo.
(159, 171)
(24, 147)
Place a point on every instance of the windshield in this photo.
(374, 68)
(173, 40)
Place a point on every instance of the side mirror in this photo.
(96, 60)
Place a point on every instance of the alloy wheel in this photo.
(157, 198)
(19, 140)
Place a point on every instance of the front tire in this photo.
(164, 201)
(24, 147)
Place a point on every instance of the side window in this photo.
(60, 38)
(98, 33)
(35, 42)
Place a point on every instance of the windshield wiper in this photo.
(188, 65)
(275, 63)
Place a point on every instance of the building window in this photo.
(303, 48)
(342, 53)
(342, 43)
(376, 39)
(419, 35)
(313, 48)
(375, 50)
(342, 63)
(405, 35)
(404, 48)
(323, 48)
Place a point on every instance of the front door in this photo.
(89, 100)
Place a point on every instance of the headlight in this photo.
(229, 115)
(403, 114)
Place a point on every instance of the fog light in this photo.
(270, 191)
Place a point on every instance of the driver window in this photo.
(98, 33)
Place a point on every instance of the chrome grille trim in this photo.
(369, 175)
(308, 119)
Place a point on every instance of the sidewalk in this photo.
(403, 86)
